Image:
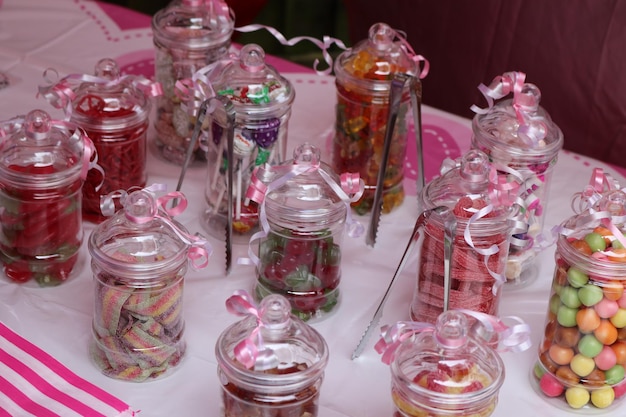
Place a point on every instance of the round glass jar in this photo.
(285, 378)
(582, 355)
(445, 373)
(139, 262)
(262, 99)
(476, 264)
(115, 117)
(40, 199)
(363, 81)
(188, 35)
(520, 135)
(300, 257)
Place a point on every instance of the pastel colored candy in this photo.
(603, 397)
(590, 294)
(615, 375)
(582, 365)
(606, 308)
(606, 359)
(576, 277)
(589, 346)
(550, 385)
(577, 397)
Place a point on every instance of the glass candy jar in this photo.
(363, 80)
(472, 237)
(269, 363)
(262, 100)
(115, 116)
(139, 259)
(519, 135)
(582, 354)
(42, 166)
(188, 35)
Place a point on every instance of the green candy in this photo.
(576, 277)
(590, 294)
(555, 303)
(566, 316)
(595, 241)
(569, 297)
(589, 346)
(614, 375)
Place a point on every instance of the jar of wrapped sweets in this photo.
(139, 258)
(270, 363)
(43, 163)
(464, 249)
(521, 140)
(582, 355)
(114, 112)
(188, 35)
(364, 75)
(262, 101)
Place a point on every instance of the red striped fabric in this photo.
(33, 383)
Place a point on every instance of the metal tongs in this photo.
(449, 222)
(229, 116)
(395, 97)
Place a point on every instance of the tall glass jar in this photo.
(519, 135)
(363, 80)
(262, 100)
(284, 371)
(115, 116)
(582, 355)
(475, 235)
(138, 261)
(41, 167)
(188, 35)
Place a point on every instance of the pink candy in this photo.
(606, 359)
(606, 308)
(550, 386)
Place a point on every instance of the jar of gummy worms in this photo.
(363, 81)
(582, 355)
(262, 100)
(43, 164)
(479, 231)
(139, 258)
(270, 362)
(188, 35)
(523, 142)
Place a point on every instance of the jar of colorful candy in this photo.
(114, 112)
(521, 140)
(582, 355)
(269, 363)
(471, 241)
(262, 100)
(42, 169)
(188, 35)
(363, 80)
(139, 259)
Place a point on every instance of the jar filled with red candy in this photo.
(522, 141)
(262, 100)
(363, 80)
(582, 355)
(115, 116)
(188, 35)
(43, 163)
(139, 258)
(472, 240)
(270, 363)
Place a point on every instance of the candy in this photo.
(606, 333)
(570, 297)
(606, 359)
(602, 397)
(577, 397)
(590, 295)
(614, 375)
(561, 355)
(576, 277)
(595, 241)
(606, 308)
(566, 316)
(550, 385)
(619, 348)
(589, 346)
(582, 365)
(587, 320)
(619, 318)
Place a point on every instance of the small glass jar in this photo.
(363, 80)
(476, 264)
(188, 35)
(582, 354)
(446, 373)
(41, 164)
(286, 376)
(262, 99)
(300, 256)
(139, 262)
(115, 116)
(519, 134)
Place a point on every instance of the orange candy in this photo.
(606, 333)
(619, 255)
(582, 246)
(613, 290)
(587, 320)
(606, 233)
(561, 355)
(620, 351)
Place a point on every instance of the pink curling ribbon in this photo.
(199, 250)
(514, 338)
(599, 183)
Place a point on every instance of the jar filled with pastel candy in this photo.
(43, 163)
(188, 35)
(139, 258)
(522, 141)
(464, 248)
(364, 75)
(270, 363)
(262, 100)
(582, 355)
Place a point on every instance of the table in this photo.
(71, 36)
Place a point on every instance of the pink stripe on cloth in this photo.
(41, 385)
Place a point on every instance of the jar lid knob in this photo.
(252, 58)
(451, 329)
(107, 68)
(37, 124)
(381, 36)
(307, 154)
(140, 205)
(275, 312)
(475, 166)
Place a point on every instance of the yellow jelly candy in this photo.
(577, 397)
(602, 397)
